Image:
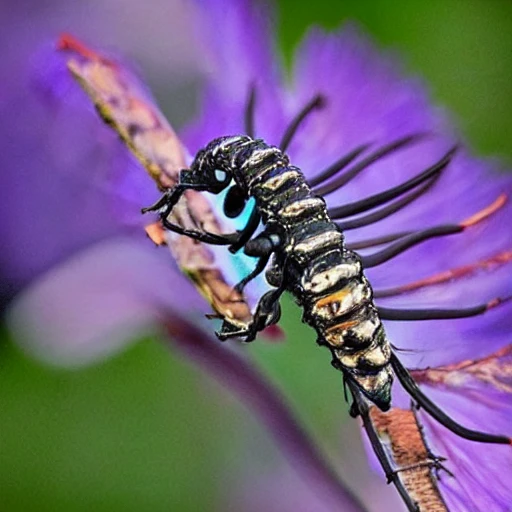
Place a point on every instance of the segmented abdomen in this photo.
(325, 278)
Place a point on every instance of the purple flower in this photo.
(478, 393)
(86, 280)
(367, 102)
(55, 152)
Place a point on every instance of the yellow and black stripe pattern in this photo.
(326, 279)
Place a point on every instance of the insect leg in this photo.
(438, 314)
(164, 207)
(360, 408)
(429, 407)
(245, 234)
(344, 178)
(249, 112)
(167, 201)
(235, 240)
(411, 239)
(435, 460)
(317, 101)
(376, 241)
(392, 193)
(372, 260)
(388, 210)
(202, 236)
(337, 166)
(258, 269)
(268, 312)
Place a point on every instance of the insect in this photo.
(303, 251)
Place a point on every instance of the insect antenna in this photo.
(249, 112)
(344, 178)
(388, 195)
(394, 207)
(317, 101)
(430, 408)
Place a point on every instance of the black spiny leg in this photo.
(430, 408)
(390, 194)
(202, 236)
(436, 461)
(322, 188)
(360, 408)
(258, 269)
(246, 233)
(438, 313)
(268, 310)
(169, 200)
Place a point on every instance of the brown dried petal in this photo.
(123, 105)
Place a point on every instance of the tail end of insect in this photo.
(376, 387)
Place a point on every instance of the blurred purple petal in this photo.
(90, 306)
(58, 161)
(253, 389)
(271, 485)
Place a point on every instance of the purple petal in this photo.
(239, 56)
(281, 490)
(59, 163)
(476, 393)
(366, 100)
(369, 101)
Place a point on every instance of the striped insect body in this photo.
(310, 260)
(302, 250)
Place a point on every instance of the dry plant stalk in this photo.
(122, 104)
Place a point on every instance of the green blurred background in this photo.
(124, 435)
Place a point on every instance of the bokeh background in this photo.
(146, 430)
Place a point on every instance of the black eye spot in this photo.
(234, 202)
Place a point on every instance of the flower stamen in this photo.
(453, 274)
(486, 212)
